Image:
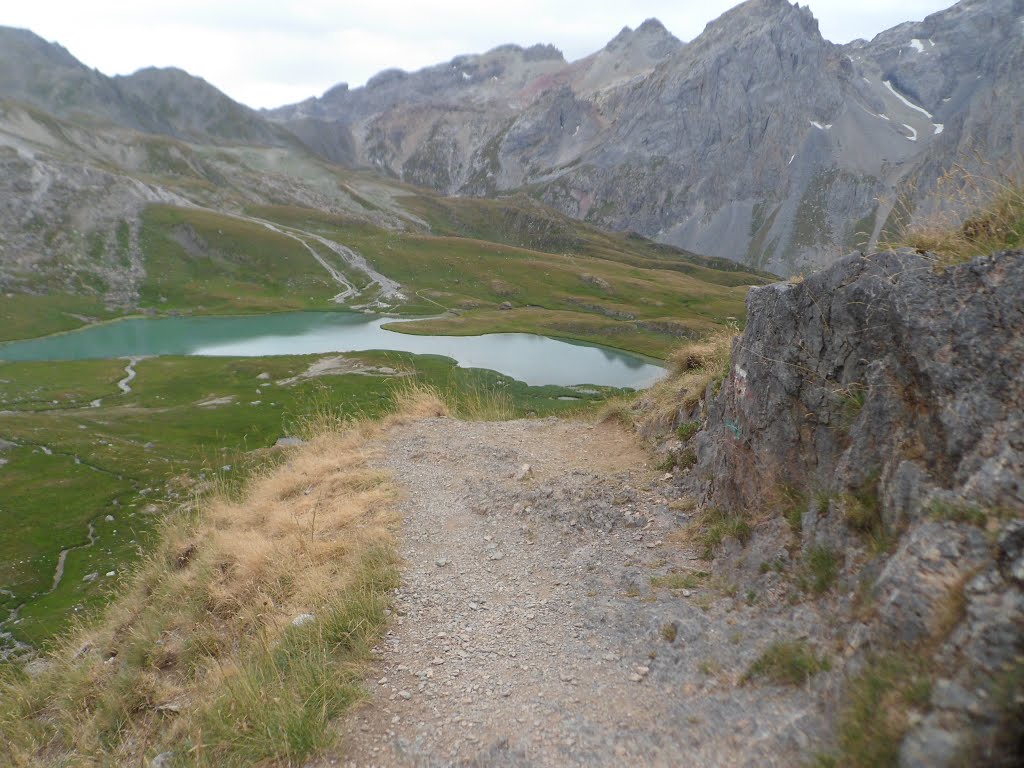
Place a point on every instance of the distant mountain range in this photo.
(758, 141)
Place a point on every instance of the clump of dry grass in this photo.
(980, 215)
(692, 369)
(200, 656)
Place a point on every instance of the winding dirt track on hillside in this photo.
(527, 630)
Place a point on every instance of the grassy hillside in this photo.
(571, 281)
(186, 420)
(207, 262)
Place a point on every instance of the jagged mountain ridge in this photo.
(758, 141)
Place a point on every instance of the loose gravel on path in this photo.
(528, 632)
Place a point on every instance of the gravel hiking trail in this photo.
(527, 630)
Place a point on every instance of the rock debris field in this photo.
(528, 632)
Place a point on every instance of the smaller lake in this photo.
(536, 360)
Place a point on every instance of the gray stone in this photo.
(289, 442)
(947, 694)
(929, 746)
(303, 619)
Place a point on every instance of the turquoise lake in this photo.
(536, 360)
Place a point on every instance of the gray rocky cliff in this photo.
(882, 403)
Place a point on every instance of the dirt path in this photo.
(528, 632)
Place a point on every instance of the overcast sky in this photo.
(266, 53)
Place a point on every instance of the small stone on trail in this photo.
(405, 695)
(523, 472)
(441, 562)
(635, 678)
(496, 555)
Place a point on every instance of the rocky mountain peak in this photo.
(651, 37)
(764, 15)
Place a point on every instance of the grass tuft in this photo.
(713, 525)
(954, 238)
(693, 368)
(820, 569)
(787, 663)
(881, 703)
(957, 512)
(687, 429)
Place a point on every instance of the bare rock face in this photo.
(886, 396)
(880, 371)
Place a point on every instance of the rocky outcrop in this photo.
(881, 370)
(880, 402)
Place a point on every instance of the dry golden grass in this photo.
(200, 655)
(979, 215)
(693, 368)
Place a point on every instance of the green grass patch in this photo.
(862, 511)
(787, 663)
(25, 316)
(687, 429)
(714, 525)
(957, 512)
(820, 570)
(214, 263)
(880, 703)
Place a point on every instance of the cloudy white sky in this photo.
(266, 53)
